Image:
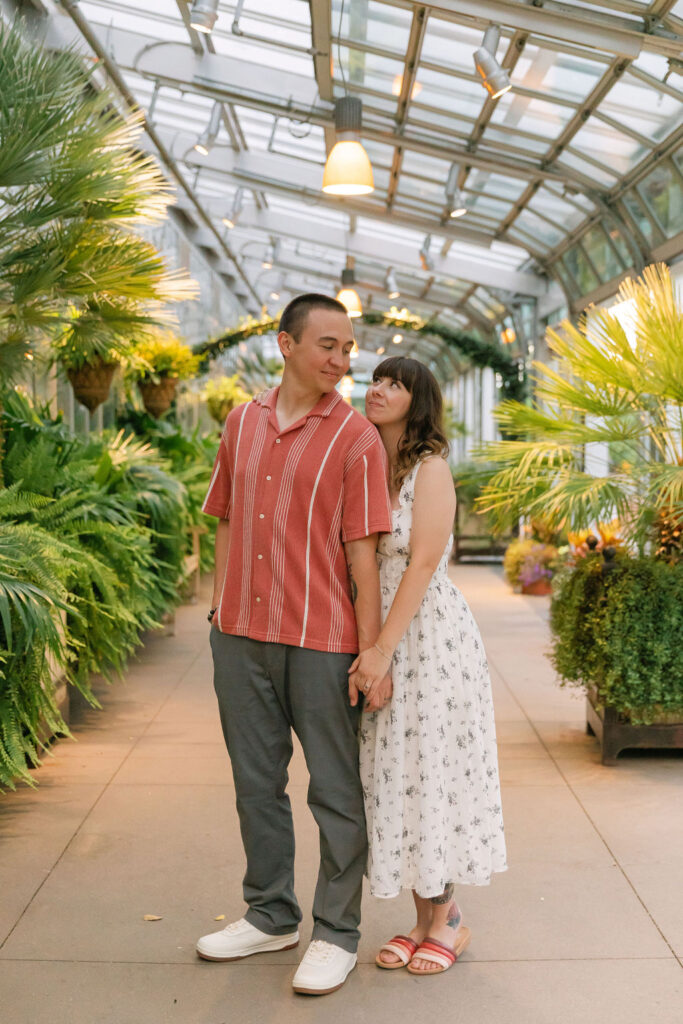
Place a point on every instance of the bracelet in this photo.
(383, 653)
(212, 613)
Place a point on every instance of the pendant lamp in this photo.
(348, 171)
(348, 296)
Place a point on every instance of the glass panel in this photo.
(601, 254)
(556, 209)
(447, 93)
(532, 146)
(634, 102)
(551, 234)
(453, 45)
(574, 161)
(643, 222)
(375, 23)
(608, 146)
(618, 240)
(556, 74)
(662, 189)
(580, 269)
(536, 116)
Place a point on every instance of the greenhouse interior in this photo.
(482, 204)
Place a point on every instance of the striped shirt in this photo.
(293, 498)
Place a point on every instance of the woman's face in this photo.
(387, 402)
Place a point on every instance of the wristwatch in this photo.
(212, 613)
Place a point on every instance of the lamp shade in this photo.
(348, 171)
(350, 298)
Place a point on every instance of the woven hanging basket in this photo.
(91, 383)
(157, 398)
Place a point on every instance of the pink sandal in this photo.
(439, 953)
(401, 946)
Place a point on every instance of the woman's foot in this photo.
(417, 934)
(443, 931)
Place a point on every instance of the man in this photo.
(299, 487)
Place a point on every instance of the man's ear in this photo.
(285, 342)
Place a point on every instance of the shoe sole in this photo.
(267, 948)
(320, 991)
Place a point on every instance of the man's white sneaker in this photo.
(323, 969)
(241, 939)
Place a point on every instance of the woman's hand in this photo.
(369, 675)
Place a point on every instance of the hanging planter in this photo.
(158, 397)
(91, 382)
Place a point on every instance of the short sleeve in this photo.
(217, 501)
(366, 507)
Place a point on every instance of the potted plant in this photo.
(222, 394)
(618, 387)
(158, 362)
(528, 566)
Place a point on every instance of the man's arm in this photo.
(221, 559)
(364, 579)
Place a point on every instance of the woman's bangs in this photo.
(397, 368)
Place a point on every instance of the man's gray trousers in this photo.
(264, 691)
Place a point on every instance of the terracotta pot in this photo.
(92, 382)
(157, 398)
(538, 588)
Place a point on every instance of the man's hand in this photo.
(369, 674)
(379, 696)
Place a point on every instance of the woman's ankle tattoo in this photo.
(454, 916)
(445, 897)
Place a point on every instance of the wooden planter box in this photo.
(616, 733)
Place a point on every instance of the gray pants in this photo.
(264, 691)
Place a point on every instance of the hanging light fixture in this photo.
(391, 284)
(425, 255)
(495, 79)
(454, 197)
(397, 339)
(380, 351)
(355, 351)
(231, 218)
(348, 171)
(206, 140)
(347, 295)
(203, 15)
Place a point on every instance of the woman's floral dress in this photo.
(428, 760)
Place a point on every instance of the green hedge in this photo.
(91, 530)
(619, 628)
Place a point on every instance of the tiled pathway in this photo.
(138, 818)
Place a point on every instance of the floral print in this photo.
(428, 760)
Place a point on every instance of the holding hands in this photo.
(369, 675)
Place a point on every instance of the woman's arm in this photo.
(433, 512)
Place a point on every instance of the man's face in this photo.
(322, 355)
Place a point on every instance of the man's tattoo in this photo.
(354, 585)
(445, 897)
(454, 916)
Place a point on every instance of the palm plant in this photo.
(607, 389)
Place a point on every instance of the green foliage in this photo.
(603, 390)
(222, 394)
(92, 528)
(162, 354)
(619, 629)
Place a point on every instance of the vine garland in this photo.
(480, 353)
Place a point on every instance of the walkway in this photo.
(138, 818)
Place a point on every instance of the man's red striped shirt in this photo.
(293, 498)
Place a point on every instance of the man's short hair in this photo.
(295, 313)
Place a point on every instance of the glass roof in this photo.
(589, 129)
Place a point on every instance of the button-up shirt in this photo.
(293, 498)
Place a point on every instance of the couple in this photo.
(319, 558)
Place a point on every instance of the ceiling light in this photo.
(391, 284)
(381, 350)
(348, 171)
(203, 15)
(508, 336)
(271, 255)
(397, 85)
(208, 136)
(425, 256)
(397, 339)
(454, 197)
(348, 296)
(495, 79)
(275, 296)
(231, 218)
(355, 351)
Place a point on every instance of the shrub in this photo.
(527, 561)
(618, 627)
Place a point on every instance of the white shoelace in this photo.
(236, 926)
(319, 952)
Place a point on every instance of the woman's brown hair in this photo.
(424, 434)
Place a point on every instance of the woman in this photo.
(428, 758)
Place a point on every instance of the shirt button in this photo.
(277, 440)
(259, 556)
(258, 600)
(269, 478)
(261, 515)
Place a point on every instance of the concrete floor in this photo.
(137, 818)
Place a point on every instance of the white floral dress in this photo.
(428, 760)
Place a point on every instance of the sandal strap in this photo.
(439, 946)
(435, 957)
(401, 946)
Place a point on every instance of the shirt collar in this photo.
(323, 407)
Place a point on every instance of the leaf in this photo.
(221, 917)
(151, 917)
